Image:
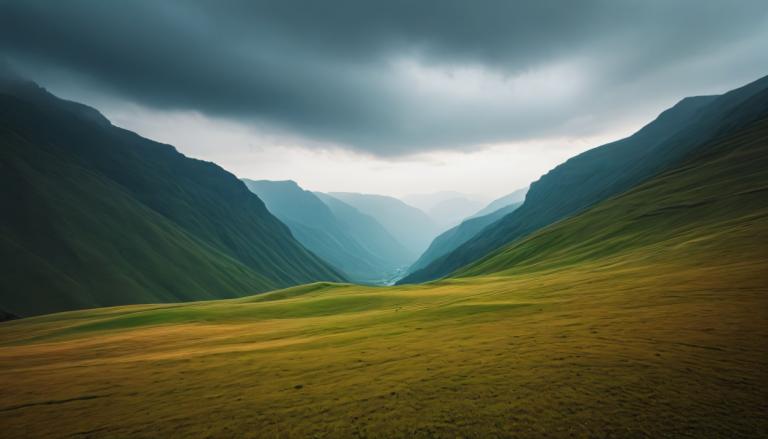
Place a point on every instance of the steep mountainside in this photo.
(315, 225)
(95, 215)
(451, 239)
(409, 225)
(612, 169)
(686, 212)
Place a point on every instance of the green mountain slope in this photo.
(451, 239)
(95, 215)
(683, 213)
(316, 226)
(612, 169)
(410, 226)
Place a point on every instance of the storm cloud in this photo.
(393, 77)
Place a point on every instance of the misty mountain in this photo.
(446, 208)
(95, 215)
(369, 233)
(516, 197)
(319, 229)
(453, 211)
(452, 238)
(611, 169)
(413, 228)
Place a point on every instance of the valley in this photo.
(656, 326)
(329, 220)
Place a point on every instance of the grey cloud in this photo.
(323, 69)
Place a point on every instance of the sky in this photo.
(393, 97)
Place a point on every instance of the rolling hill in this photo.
(642, 316)
(318, 228)
(611, 169)
(409, 225)
(94, 215)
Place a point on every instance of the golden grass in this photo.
(599, 350)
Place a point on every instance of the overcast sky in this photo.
(392, 96)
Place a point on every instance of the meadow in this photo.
(645, 316)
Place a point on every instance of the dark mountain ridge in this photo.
(100, 216)
(611, 169)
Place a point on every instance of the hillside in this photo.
(409, 225)
(643, 316)
(611, 169)
(318, 228)
(452, 238)
(95, 215)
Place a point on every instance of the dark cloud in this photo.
(387, 76)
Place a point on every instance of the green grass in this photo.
(643, 317)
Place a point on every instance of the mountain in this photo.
(368, 232)
(452, 238)
(445, 208)
(611, 169)
(452, 211)
(409, 225)
(711, 208)
(427, 201)
(94, 215)
(516, 197)
(319, 229)
(636, 317)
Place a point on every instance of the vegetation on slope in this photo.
(95, 215)
(642, 317)
(611, 169)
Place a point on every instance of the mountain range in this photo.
(611, 169)
(635, 316)
(95, 215)
(445, 208)
(354, 243)
(409, 225)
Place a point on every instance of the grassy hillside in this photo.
(642, 317)
(611, 169)
(95, 215)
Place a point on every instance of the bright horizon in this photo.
(252, 153)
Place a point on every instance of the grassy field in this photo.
(651, 323)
